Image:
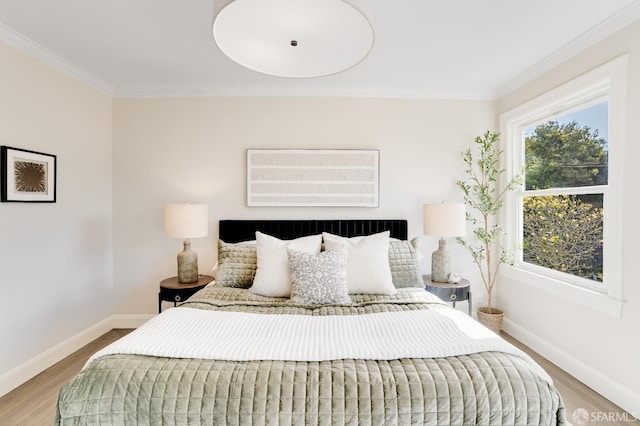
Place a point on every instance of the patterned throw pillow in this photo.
(404, 261)
(237, 264)
(319, 279)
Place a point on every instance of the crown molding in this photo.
(30, 47)
(604, 29)
(317, 92)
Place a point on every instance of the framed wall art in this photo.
(313, 177)
(27, 176)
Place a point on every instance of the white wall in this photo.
(599, 350)
(176, 150)
(55, 259)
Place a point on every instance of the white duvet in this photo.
(237, 336)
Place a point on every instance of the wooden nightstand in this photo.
(172, 291)
(449, 292)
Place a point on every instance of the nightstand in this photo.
(173, 291)
(449, 292)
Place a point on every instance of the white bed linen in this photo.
(237, 336)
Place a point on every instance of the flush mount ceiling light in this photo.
(293, 38)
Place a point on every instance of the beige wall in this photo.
(600, 350)
(55, 259)
(176, 150)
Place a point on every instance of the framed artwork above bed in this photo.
(313, 177)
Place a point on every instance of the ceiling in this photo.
(423, 48)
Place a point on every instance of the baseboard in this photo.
(129, 321)
(607, 387)
(26, 371)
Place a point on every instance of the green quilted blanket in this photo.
(489, 388)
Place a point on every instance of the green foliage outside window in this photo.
(564, 156)
(563, 233)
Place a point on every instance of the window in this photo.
(565, 181)
(565, 218)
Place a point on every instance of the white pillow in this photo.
(273, 278)
(368, 270)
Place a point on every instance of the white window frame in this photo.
(605, 82)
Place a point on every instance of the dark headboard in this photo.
(233, 231)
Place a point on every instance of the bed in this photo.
(231, 356)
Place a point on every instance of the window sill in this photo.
(598, 301)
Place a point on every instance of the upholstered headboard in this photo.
(233, 231)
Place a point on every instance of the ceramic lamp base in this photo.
(187, 264)
(441, 263)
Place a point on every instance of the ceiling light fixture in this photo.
(293, 38)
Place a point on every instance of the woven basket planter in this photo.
(491, 318)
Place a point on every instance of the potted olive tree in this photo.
(484, 197)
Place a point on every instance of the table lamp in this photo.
(443, 220)
(186, 221)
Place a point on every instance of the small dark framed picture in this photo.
(27, 176)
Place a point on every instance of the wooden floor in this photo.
(33, 403)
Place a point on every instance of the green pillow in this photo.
(404, 262)
(237, 264)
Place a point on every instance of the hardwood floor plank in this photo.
(33, 403)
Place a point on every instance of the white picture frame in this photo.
(313, 177)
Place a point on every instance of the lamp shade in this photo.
(186, 220)
(445, 219)
(293, 38)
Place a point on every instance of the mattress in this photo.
(487, 387)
